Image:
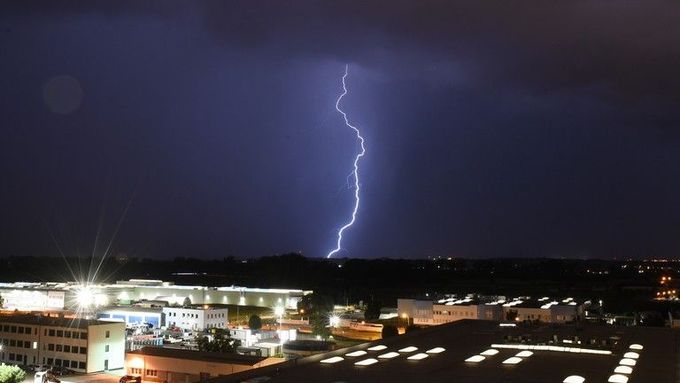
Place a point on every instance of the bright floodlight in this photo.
(377, 348)
(636, 346)
(357, 353)
(436, 350)
(389, 355)
(278, 311)
(334, 359)
(627, 362)
(513, 360)
(489, 352)
(524, 354)
(631, 355)
(334, 321)
(418, 356)
(623, 370)
(574, 379)
(475, 359)
(408, 349)
(616, 378)
(366, 362)
(85, 296)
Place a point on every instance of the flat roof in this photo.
(439, 354)
(52, 321)
(147, 284)
(213, 357)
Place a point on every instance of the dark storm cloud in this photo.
(493, 127)
(624, 46)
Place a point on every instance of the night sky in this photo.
(206, 129)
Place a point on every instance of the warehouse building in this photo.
(429, 313)
(155, 364)
(474, 351)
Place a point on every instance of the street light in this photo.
(334, 321)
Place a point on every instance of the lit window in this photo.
(334, 359)
(574, 379)
(418, 356)
(489, 352)
(627, 362)
(389, 355)
(357, 353)
(524, 354)
(436, 350)
(636, 346)
(623, 370)
(408, 349)
(377, 348)
(631, 355)
(366, 362)
(616, 378)
(513, 360)
(475, 359)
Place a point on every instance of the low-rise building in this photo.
(78, 344)
(197, 317)
(427, 313)
(133, 316)
(155, 364)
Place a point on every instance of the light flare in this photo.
(355, 173)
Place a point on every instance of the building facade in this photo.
(428, 313)
(197, 318)
(80, 345)
(155, 364)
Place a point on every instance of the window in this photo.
(67, 334)
(60, 333)
(74, 364)
(50, 361)
(59, 348)
(57, 362)
(21, 330)
(13, 329)
(106, 348)
(108, 333)
(66, 363)
(74, 349)
(52, 332)
(5, 328)
(81, 365)
(67, 348)
(83, 335)
(83, 350)
(12, 343)
(27, 344)
(45, 332)
(151, 372)
(50, 347)
(11, 356)
(136, 371)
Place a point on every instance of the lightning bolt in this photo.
(355, 172)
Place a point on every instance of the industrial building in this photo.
(429, 313)
(78, 344)
(473, 351)
(155, 364)
(197, 317)
(132, 315)
(56, 296)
